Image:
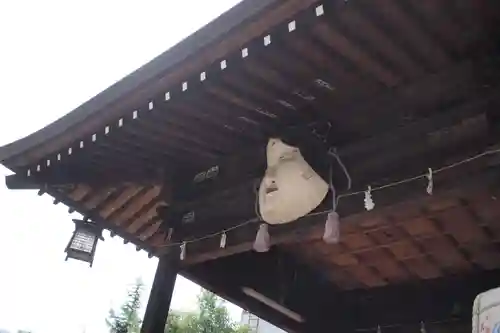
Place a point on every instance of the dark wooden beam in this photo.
(243, 167)
(61, 177)
(250, 164)
(226, 208)
(326, 309)
(457, 134)
(474, 175)
(158, 306)
(364, 157)
(416, 146)
(226, 280)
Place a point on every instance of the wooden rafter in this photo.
(351, 209)
(324, 309)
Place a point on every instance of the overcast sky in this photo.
(54, 55)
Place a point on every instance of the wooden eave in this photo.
(194, 53)
(395, 87)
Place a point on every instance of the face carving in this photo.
(290, 188)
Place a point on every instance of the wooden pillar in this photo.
(158, 306)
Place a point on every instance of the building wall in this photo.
(258, 325)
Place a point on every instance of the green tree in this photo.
(212, 317)
(128, 316)
(176, 323)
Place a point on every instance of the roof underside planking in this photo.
(396, 87)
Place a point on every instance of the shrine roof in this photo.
(396, 87)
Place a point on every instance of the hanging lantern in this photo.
(83, 243)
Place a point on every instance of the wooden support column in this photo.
(158, 306)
